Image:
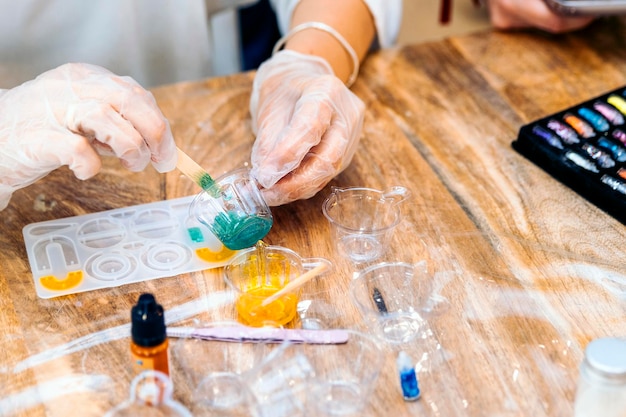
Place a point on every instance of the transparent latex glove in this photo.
(72, 114)
(521, 14)
(307, 123)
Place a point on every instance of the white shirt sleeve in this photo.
(387, 17)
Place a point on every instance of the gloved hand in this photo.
(520, 14)
(307, 123)
(69, 115)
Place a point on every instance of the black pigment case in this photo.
(584, 147)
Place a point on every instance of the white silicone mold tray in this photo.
(119, 246)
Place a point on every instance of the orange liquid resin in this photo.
(154, 358)
(278, 312)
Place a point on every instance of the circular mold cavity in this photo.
(111, 266)
(166, 256)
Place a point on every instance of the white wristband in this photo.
(328, 29)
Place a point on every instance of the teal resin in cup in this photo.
(239, 216)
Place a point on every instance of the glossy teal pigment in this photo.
(238, 231)
(195, 234)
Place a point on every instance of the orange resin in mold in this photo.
(52, 283)
(208, 255)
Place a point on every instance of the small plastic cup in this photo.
(362, 220)
(280, 382)
(256, 273)
(225, 394)
(389, 298)
(237, 214)
(345, 375)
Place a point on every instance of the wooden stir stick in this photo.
(196, 173)
(292, 285)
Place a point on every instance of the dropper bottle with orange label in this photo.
(149, 339)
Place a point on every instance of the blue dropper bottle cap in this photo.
(408, 378)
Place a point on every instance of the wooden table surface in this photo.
(526, 271)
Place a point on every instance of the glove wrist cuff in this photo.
(334, 33)
(6, 191)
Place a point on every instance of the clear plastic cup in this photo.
(236, 213)
(390, 299)
(362, 220)
(224, 394)
(345, 375)
(257, 273)
(280, 382)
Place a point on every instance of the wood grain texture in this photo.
(523, 271)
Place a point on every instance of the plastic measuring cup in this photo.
(390, 297)
(362, 220)
(257, 273)
(238, 216)
(344, 375)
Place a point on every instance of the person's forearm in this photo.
(351, 18)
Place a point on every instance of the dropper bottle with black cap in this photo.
(149, 339)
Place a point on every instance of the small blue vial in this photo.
(408, 379)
